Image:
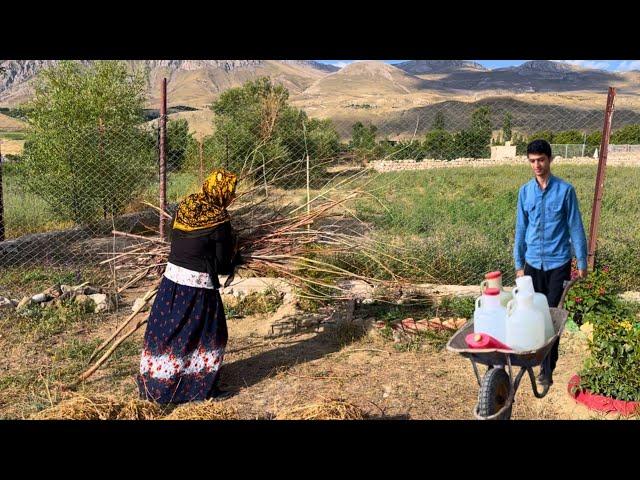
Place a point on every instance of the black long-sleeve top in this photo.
(209, 251)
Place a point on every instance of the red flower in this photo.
(601, 291)
(578, 299)
(606, 268)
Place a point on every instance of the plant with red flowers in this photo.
(594, 294)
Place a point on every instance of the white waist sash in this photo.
(190, 278)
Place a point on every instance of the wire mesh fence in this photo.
(70, 186)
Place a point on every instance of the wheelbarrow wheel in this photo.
(494, 393)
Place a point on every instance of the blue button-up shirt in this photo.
(548, 225)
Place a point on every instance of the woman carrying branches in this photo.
(186, 334)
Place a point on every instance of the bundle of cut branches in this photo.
(306, 243)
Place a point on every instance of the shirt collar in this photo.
(549, 183)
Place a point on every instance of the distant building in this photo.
(503, 151)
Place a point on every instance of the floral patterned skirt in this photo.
(183, 345)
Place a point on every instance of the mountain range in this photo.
(362, 89)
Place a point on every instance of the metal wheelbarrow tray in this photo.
(498, 386)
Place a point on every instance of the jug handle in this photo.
(515, 291)
(483, 285)
(510, 307)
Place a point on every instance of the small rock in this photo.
(54, 292)
(82, 299)
(138, 303)
(228, 299)
(6, 303)
(368, 301)
(40, 298)
(23, 303)
(102, 301)
(387, 391)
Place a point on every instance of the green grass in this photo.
(26, 213)
(13, 135)
(456, 224)
(255, 303)
(19, 281)
(42, 323)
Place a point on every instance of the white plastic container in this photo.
(494, 280)
(489, 316)
(524, 285)
(524, 325)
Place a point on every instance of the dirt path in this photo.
(271, 371)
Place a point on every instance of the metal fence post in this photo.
(163, 154)
(200, 145)
(602, 164)
(1, 200)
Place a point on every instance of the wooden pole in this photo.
(600, 176)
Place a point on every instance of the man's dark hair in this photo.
(539, 146)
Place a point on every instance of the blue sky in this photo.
(610, 65)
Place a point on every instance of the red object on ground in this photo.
(600, 402)
(482, 340)
(492, 275)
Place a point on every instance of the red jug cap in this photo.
(492, 275)
(492, 291)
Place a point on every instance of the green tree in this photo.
(179, 139)
(520, 141)
(568, 137)
(594, 138)
(629, 134)
(439, 145)
(543, 135)
(506, 127)
(363, 141)
(438, 122)
(256, 130)
(87, 154)
(409, 149)
(475, 142)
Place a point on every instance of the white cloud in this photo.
(598, 65)
(628, 65)
(340, 64)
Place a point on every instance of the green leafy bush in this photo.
(595, 294)
(612, 366)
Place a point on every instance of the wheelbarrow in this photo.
(499, 385)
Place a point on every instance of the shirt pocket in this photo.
(554, 211)
(533, 212)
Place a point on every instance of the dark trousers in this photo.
(551, 284)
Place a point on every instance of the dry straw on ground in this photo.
(327, 409)
(99, 407)
(208, 410)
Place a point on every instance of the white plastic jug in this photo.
(494, 280)
(524, 325)
(489, 316)
(524, 285)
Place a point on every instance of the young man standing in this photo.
(548, 225)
